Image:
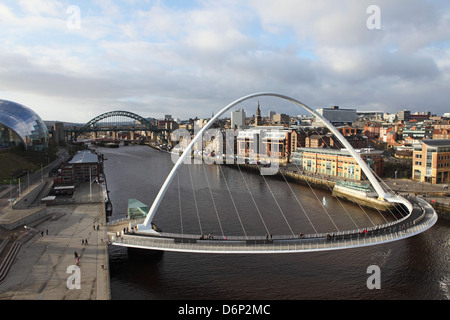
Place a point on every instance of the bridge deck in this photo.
(421, 218)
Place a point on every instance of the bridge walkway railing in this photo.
(422, 219)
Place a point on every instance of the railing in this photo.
(281, 243)
(230, 246)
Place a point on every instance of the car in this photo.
(445, 186)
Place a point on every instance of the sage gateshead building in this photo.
(19, 125)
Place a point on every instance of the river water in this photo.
(415, 268)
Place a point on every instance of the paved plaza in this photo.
(45, 266)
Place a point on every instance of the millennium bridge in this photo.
(419, 216)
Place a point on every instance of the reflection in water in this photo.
(415, 268)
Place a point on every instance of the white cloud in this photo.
(191, 59)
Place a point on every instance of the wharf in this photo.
(42, 268)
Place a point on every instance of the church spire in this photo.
(258, 116)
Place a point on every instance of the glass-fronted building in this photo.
(19, 125)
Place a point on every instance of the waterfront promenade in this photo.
(42, 266)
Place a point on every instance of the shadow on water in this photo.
(144, 255)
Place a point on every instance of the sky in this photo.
(73, 60)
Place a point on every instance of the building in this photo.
(271, 114)
(84, 167)
(338, 162)
(19, 125)
(338, 116)
(356, 141)
(286, 141)
(404, 115)
(347, 130)
(372, 130)
(280, 119)
(370, 114)
(431, 161)
(264, 141)
(58, 134)
(238, 119)
(441, 134)
(319, 141)
(258, 118)
(417, 131)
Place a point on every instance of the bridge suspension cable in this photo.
(195, 200)
(253, 200)
(232, 200)
(213, 201)
(179, 202)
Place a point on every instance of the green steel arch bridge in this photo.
(119, 120)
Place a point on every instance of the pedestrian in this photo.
(75, 254)
(85, 242)
(82, 242)
(42, 233)
(46, 231)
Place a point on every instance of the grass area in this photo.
(11, 164)
(15, 162)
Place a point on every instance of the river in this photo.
(415, 268)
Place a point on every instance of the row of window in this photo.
(327, 159)
(344, 174)
(440, 165)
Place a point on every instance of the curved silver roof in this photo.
(24, 122)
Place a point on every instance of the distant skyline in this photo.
(71, 61)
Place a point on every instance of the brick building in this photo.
(84, 167)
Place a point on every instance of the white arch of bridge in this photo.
(382, 194)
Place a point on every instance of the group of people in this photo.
(84, 242)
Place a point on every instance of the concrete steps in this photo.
(9, 259)
(13, 251)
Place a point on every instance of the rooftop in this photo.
(364, 151)
(84, 157)
(437, 142)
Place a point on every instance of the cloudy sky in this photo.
(72, 60)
